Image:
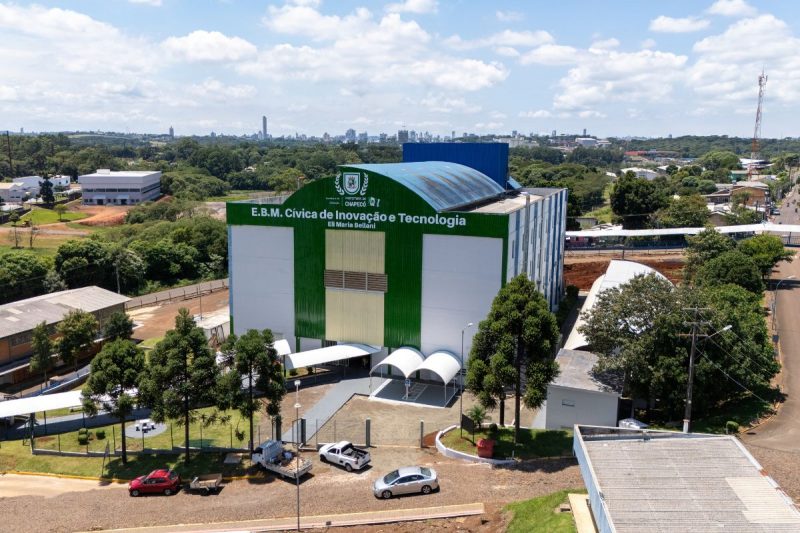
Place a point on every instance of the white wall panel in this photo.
(262, 279)
(460, 278)
(567, 407)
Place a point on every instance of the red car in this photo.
(156, 482)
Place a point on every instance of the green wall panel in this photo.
(379, 204)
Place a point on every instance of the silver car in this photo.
(406, 480)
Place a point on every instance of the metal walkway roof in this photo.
(36, 404)
(445, 186)
(321, 356)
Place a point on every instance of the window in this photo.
(568, 403)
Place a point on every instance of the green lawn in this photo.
(14, 455)
(235, 196)
(603, 214)
(217, 434)
(149, 344)
(537, 515)
(41, 216)
(533, 443)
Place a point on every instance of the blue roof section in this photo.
(445, 186)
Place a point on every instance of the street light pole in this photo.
(775, 298)
(297, 444)
(461, 381)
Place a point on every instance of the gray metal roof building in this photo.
(24, 315)
(664, 481)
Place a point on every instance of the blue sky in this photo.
(614, 68)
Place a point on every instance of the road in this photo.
(782, 432)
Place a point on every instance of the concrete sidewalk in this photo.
(322, 521)
(326, 407)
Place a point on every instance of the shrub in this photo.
(293, 372)
(731, 427)
(309, 370)
(493, 430)
(100, 434)
(83, 431)
(83, 438)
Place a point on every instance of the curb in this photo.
(323, 521)
(453, 454)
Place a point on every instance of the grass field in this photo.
(15, 455)
(603, 214)
(538, 514)
(533, 443)
(235, 196)
(217, 434)
(41, 216)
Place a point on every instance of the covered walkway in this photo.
(420, 377)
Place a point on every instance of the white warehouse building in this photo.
(108, 187)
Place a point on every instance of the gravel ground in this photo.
(393, 424)
(327, 490)
(783, 467)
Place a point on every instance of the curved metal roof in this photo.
(443, 185)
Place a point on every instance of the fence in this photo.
(370, 432)
(220, 437)
(177, 294)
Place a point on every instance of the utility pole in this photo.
(695, 324)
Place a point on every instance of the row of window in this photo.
(145, 190)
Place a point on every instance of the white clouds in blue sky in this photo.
(316, 66)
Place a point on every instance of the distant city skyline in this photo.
(644, 69)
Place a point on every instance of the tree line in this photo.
(181, 375)
(639, 330)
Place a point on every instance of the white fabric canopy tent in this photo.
(406, 360)
(320, 356)
(282, 347)
(45, 402)
(443, 364)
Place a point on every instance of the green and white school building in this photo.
(389, 256)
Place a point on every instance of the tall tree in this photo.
(254, 362)
(731, 267)
(638, 330)
(42, 358)
(118, 326)
(182, 374)
(116, 372)
(46, 191)
(634, 199)
(766, 250)
(687, 211)
(706, 245)
(78, 330)
(516, 339)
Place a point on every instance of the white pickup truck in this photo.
(272, 456)
(344, 454)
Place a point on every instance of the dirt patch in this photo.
(493, 520)
(583, 272)
(103, 215)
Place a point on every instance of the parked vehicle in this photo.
(162, 481)
(406, 480)
(208, 483)
(272, 456)
(344, 454)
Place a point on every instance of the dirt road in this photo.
(12, 485)
(328, 490)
